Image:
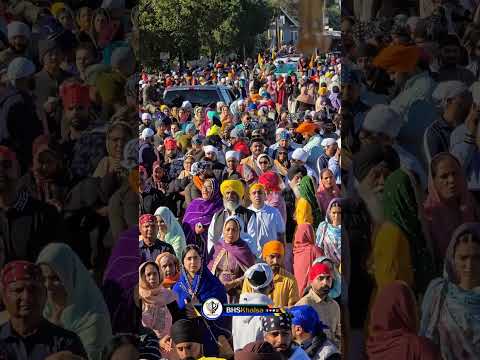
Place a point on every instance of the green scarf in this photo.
(401, 208)
(307, 191)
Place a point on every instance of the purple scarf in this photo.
(239, 253)
(201, 211)
(120, 280)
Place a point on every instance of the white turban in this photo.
(187, 105)
(300, 154)
(383, 119)
(328, 142)
(20, 68)
(448, 90)
(209, 149)
(232, 155)
(147, 133)
(259, 268)
(17, 28)
(146, 116)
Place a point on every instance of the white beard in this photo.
(373, 201)
(230, 205)
(295, 189)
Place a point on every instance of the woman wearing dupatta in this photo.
(329, 233)
(196, 285)
(170, 229)
(200, 212)
(394, 327)
(447, 206)
(74, 300)
(304, 253)
(451, 306)
(281, 162)
(159, 305)
(120, 280)
(307, 209)
(327, 189)
(231, 258)
(400, 245)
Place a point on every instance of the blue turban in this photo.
(306, 317)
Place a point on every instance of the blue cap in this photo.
(252, 107)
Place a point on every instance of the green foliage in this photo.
(186, 28)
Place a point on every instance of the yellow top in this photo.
(303, 212)
(391, 256)
(285, 292)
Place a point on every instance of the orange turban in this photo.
(273, 247)
(398, 58)
(306, 128)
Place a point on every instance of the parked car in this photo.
(198, 95)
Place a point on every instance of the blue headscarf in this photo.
(204, 285)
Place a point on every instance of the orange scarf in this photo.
(198, 182)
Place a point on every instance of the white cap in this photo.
(20, 68)
(17, 28)
(383, 119)
(300, 154)
(147, 133)
(232, 155)
(146, 116)
(328, 141)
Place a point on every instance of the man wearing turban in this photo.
(285, 291)
(22, 283)
(232, 192)
(307, 329)
(321, 278)
(277, 330)
(414, 88)
(150, 246)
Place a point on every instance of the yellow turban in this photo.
(256, 186)
(398, 58)
(214, 130)
(57, 8)
(273, 247)
(232, 185)
(163, 107)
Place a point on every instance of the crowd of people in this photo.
(410, 113)
(119, 212)
(68, 154)
(241, 202)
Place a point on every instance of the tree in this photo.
(186, 27)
